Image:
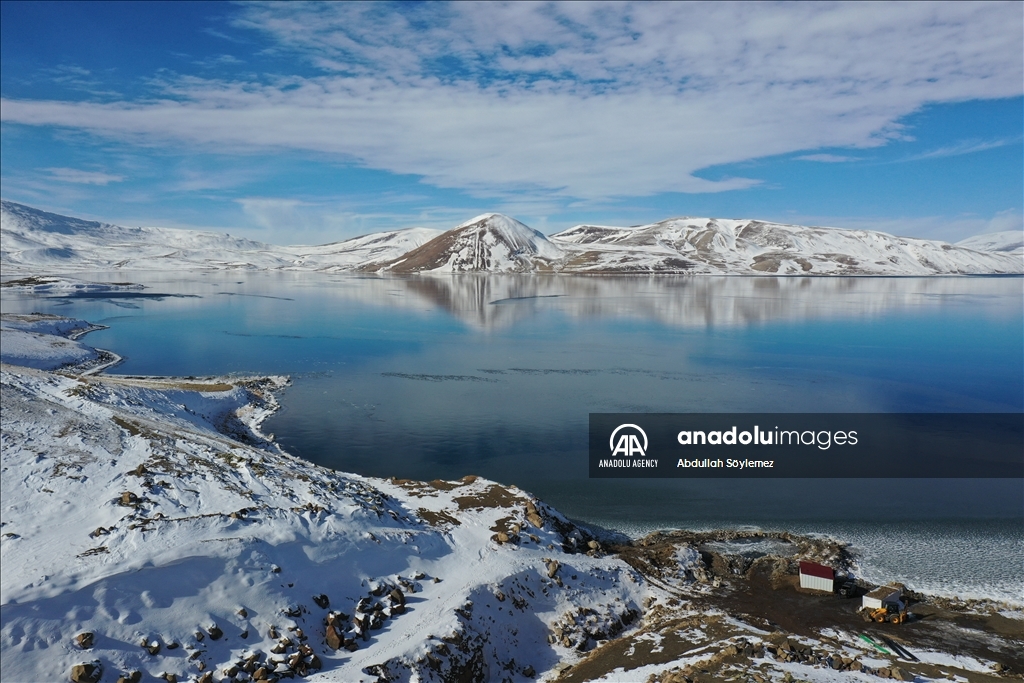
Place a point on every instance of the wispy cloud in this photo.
(74, 175)
(963, 147)
(827, 158)
(574, 100)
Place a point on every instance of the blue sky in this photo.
(307, 123)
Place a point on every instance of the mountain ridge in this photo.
(495, 243)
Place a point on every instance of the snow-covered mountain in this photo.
(1007, 241)
(490, 243)
(35, 241)
(745, 247)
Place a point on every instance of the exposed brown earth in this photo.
(737, 618)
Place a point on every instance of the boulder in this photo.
(322, 601)
(87, 672)
(553, 567)
(334, 638)
(215, 632)
(85, 639)
(128, 499)
(133, 677)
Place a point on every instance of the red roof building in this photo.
(817, 577)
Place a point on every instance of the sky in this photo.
(310, 123)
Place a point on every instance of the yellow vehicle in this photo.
(894, 613)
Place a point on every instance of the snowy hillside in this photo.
(489, 243)
(1007, 241)
(718, 246)
(36, 241)
(365, 251)
(154, 516)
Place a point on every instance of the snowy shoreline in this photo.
(153, 514)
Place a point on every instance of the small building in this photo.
(882, 595)
(817, 577)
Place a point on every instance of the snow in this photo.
(35, 240)
(44, 342)
(1010, 241)
(147, 510)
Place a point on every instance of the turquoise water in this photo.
(441, 377)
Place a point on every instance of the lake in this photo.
(438, 377)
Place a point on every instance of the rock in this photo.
(207, 677)
(899, 674)
(730, 651)
(242, 612)
(153, 648)
(500, 596)
(501, 538)
(274, 568)
(88, 672)
(170, 678)
(199, 636)
(134, 677)
(835, 662)
(215, 632)
(553, 566)
(351, 645)
(593, 545)
(85, 639)
(856, 665)
(314, 662)
(529, 672)
(322, 601)
(243, 635)
(99, 531)
(334, 638)
(128, 499)
(397, 596)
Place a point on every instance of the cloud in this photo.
(74, 175)
(963, 147)
(574, 100)
(827, 158)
